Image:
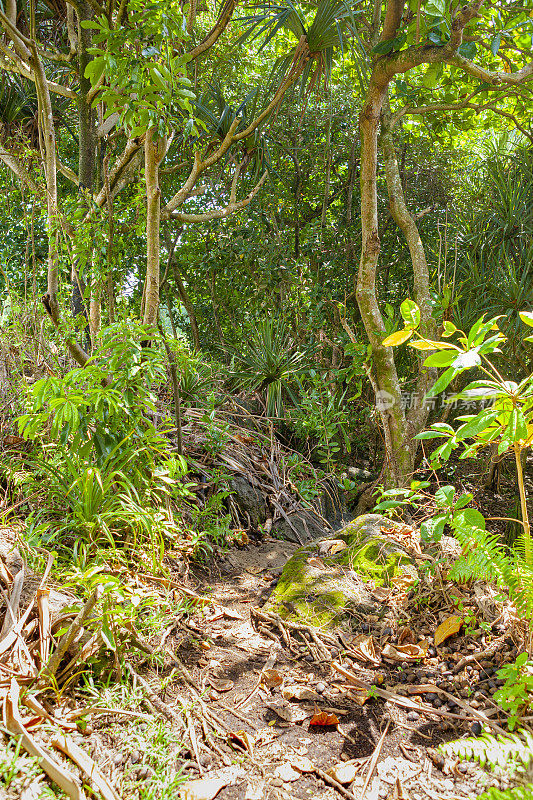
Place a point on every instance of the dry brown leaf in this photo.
(381, 593)
(220, 684)
(405, 652)
(302, 764)
(271, 678)
(244, 740)
(359, 697)
(203, 789)
(299, 693)
(288, 712)
(86, 765)
(448, 628)
(316, 562)
(13, 722)
(205, 645)
(364, 648)
(322, 718)
(287, 773)
(343, 773)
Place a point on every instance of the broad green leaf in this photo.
(441, 359)
(466, 360)
(468, 518)
(410, 313)
(527, 317)
(449, 328)
(443, 381)
(476, 425)
(495, 43)
(398, 338)
(431, 530)
(444, 496)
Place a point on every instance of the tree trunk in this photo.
(154, 150)
(400, 451)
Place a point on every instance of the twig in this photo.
(69, 636)
(336, 785)
(488, 651)
(156, 701)
(374, 760)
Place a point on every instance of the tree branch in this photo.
(221, 213)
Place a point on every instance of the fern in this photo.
(487, 558)
(512, 753)
(512, 750)
(511, 793)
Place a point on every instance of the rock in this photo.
(249, 501)
(413, 716)
(301, 527)
(325, 586)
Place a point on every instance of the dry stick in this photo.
(156, 701)
(488, 651)
(336, 785)
(374, 760)
(69, 636)
(406, 703)
(236, 714)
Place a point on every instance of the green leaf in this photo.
(441, 359)
(398, 338)
(431, 530)
(476, 425)
(468, 518)
(382, 48)
(444, 496)
(449, 328)
(443, 381)
(527, 317)
(495, 43)
(410, 313)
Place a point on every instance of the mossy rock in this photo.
(328, 581)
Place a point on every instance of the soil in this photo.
(226, 652)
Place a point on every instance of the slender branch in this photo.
(218, 28)
(221, 213)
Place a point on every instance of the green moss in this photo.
(322, 595)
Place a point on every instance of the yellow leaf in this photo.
(399, 337)
(429, 344)
(447, 628)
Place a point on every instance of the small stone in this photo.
(448, 785)
(430, 697)
(118, 758)
(135, 757)
(413, 716)
(462, 767)
(320, 687)
(143, 773)
(309, 658)
(213, 695)
(475, 729)
(334, 652)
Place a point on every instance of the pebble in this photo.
(320, 687)
(309, 658)
(462, 767)
(475, 729)
(135, 757)
(118, 758)
(448, 785)
(143, 773)
(413, 716)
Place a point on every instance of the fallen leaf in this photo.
(288, 712)
(271, 678)
(406, 636)
(255, 790)
(302, 764)
(299, 693)
(364, 648)
(219, 684)
(324, 719)
(202, 789)
(244, 740)
(448, 628)
(337, 546)
(381, 593)
(205, 645)
(359, 697)
(343, 773)
(405, 652)
(316, 562)
(287, 773)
